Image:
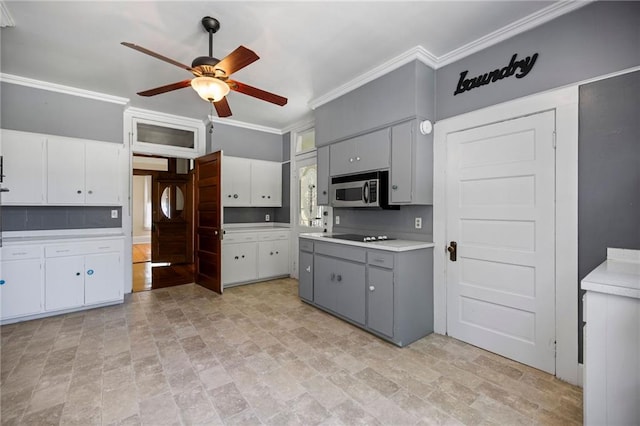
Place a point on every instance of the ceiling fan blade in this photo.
(257, 93)
(236, 60)
(222, 108)
(167, 88)
(156, 55)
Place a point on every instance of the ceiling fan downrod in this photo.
(211, 25)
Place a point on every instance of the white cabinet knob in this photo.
(308, 269)
(351, 160)
(357, 158)
(371, 288)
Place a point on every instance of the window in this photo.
(306, 141)
(309, 213)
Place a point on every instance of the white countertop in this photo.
(28, 237)
(253, 227)
(618, 275)
(389, 245)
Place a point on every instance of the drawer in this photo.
(340, 251)
(272, 236)
(305, 244)
(79, 249)
(240, 237)
(21, 252)
(380, 258)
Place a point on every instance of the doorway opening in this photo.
(162, 222)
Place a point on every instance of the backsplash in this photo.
(39, 218)
(392, 223)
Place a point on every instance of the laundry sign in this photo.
(519, 68)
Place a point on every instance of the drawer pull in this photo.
(90, 272)
(236, 258)
(63, 251)
(379, 260)
(339, 278)
(2, 282)
(79, 192)
(271, 254)
(105, 247)
(20, 253)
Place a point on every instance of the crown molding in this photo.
(244, 125)
(67, 90)
(6, 20)
(417, 53)
(299, 126)
(528, 22)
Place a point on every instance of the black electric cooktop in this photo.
(361, 238)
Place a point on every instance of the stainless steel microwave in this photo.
(361, 190)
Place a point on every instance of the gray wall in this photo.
(402, 94)
(247, 143)
(608, 170)
(41, 111)
(597, 39)
(392, 223)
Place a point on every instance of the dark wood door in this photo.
(172, 230)
(208, 222)
(171, 240)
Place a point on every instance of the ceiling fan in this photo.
(211, 79)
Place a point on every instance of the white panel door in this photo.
(20, 288)
(23, 167)
(65, 171)
(500, 211)
(102, 173)
(102, 278)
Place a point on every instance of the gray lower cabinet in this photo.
(387, 293)
(380, 300)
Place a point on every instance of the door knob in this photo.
(453, 251)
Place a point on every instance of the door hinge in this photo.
(554, 140)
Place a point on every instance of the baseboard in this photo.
(142, 239)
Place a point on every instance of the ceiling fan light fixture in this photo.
(209, 88)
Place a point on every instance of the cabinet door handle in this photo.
(357, 158)
(243, 256)
(90, 192)
(235, 195)
(229, 195)
(371, 288)
(394, 187)
(271, 254)
(2, 282)
(263, 196)
(351, 160)
(90, 272)
(77, 274)
(308, 269)
(339, 278)
(79, 192)
(269, 196)
(236, 258)
(277, 252)
(333, 276)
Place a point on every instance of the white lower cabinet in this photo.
(21, 282)
(47, 278)
(273, 258)
(254, 256)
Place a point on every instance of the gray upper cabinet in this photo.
(322, 158)
(361, 154)
(411, 180)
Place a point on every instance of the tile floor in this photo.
(184, 355)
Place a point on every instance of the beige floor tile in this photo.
(256, 355)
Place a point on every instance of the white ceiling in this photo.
(306, 49)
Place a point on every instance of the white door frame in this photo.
(565, 103)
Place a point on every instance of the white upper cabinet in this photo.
(251, 183)
(266, 183)
(23, 168)
(164, 134)
(83, 172)
(236, 182)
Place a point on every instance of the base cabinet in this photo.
(386, 293)
(254, 256)
(53, 277)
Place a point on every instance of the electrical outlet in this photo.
(418, 224)
(267, 218)
(337, 220)
(114, 214)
